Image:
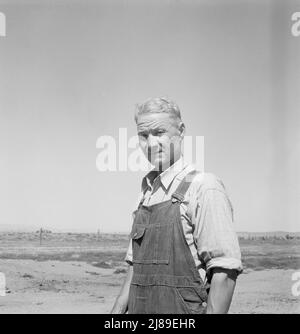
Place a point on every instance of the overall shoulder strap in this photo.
(181, 190)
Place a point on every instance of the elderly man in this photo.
(182, 227)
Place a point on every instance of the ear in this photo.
(181, 128)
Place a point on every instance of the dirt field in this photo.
(83, 274)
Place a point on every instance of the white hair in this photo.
(158, 105)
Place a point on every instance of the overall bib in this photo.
(165, 278)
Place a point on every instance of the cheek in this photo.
(172, 145)
(143, 145)
(167, 141)
(167, 146)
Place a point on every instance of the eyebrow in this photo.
(143, 132)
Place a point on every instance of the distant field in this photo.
(258, 252)
(15, 239)
(270, 254)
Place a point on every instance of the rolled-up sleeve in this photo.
(128, 257)
(214, 233)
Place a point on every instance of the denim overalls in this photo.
(165, 278)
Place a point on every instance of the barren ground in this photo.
(83, 274)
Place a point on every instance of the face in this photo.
(160, 138)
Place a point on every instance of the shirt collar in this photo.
(166, 177)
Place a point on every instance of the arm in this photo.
(217, 244)
(121, 303)
(221, 290)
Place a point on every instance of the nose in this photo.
(152, 143)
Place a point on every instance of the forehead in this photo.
(155, 120)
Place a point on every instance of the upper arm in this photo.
(214, 233)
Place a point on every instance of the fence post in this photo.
(41, 236)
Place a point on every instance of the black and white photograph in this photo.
(150, 158)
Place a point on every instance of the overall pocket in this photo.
(137, 232)
(191, 301)
(151, 244)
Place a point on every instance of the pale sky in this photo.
(72, 71)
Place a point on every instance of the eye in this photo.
(160, 132)
(143, 135)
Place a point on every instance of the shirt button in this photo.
(204, 304)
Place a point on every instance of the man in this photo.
(182, 226)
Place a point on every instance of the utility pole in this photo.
(41, 236)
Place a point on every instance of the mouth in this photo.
(154, 155)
